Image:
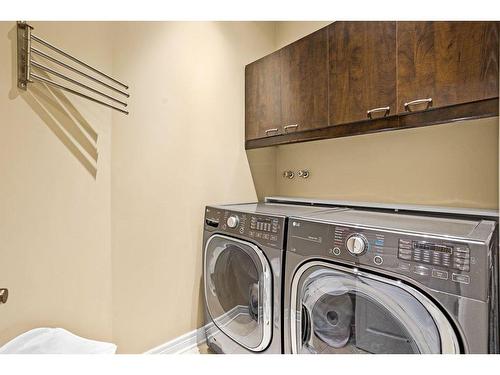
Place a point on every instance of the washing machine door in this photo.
(336, 309)
(238, 291)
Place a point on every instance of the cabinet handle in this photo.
(272, 130)
(294, 126)
(370, 112)
(427, 101)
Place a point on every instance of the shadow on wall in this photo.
(60, 116)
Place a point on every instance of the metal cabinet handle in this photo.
(272, 130)
(427, 101)
(386, 111)
(294, 126)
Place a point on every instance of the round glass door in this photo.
(341, 312)
(238, 289)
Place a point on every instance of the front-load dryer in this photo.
(243, 255)
(372, 282)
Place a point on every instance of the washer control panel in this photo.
(441, 263)
(264, 229)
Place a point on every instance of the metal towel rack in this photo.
(25, 75)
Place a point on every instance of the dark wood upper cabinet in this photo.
(362, 59)
(304, 83)
(262, 97)
(448, 62)
(323, 85)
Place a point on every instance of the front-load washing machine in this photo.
(243, 253)
(373, 282)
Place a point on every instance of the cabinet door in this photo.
(448, 62)
(362, 57)
(262, 97)
(304, 83)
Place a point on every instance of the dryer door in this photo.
(238, 291)
(340, 310)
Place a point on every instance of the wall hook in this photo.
(4, 295)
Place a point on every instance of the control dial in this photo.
(357, 244)
(233, 221)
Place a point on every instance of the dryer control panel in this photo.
(443, 264)
(264, 229)
(447, 255)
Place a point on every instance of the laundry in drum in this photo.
(253, 304)
(332, 315)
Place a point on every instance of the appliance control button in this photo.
(233, 221)
(421, 270)
(336, 251)
(356, 244)
(405, 251)
(463, 279)
(439, 274)
(404, 266)
(378, 260)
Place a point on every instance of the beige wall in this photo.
(448, 165)
(263, 166)
(55, 249)
(182, 147)
(289, 31)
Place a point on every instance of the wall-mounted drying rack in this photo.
(26, 76)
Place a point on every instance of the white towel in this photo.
(55, 341)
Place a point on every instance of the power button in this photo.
(378, 260)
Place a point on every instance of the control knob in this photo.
(357, 244)
(233, 221)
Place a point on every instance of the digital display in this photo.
(264, 220)
(264, 224)
(431, 246)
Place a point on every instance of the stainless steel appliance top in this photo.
(478, 230)
(275, 208)
(484, 213)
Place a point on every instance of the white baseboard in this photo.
(181, 344)
(193, 339)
